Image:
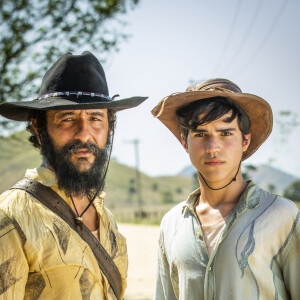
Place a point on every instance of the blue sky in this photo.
(253, 43)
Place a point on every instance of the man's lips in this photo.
(214, 162)
(82, 153)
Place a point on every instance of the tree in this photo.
(293, 191)
(166, 197)
(247, 171)
(35, 33)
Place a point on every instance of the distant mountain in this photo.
(267, 177)
(272, 179)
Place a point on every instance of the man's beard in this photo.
(69, 177)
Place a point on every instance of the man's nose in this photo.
(82, 131)
(213, 146)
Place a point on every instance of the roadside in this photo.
(142, 244)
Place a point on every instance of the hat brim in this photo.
(257, 109)
(19, 111)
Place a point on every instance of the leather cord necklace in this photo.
(78, 219)
(233, 179)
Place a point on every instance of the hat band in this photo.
(77, 94)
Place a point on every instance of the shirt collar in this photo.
(249, 199)
(48, 178)
(42, 175)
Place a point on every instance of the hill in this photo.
(265, 176)
(17, 155)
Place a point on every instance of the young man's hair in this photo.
(41, 123)
(204, 111)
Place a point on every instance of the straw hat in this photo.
(257, 109)
(73, 82)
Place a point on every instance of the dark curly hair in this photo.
(41, 123)
(210, 110)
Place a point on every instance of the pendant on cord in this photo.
(78, 218)
(79, 222)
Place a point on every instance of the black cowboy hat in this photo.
(73, 82)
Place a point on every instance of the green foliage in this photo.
(195, 181)
(271, 188)
(292, 192)
(154, 187)
(35, 33)
(179, 190)
(167, 197)
(247, 171)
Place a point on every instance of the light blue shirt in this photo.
(256, 257)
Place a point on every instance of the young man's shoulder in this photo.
(280, 202)
(173, 219)
(279, 209)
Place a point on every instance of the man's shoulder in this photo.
(279, 202)
(173, 216)
(15, 201)
(279, 209)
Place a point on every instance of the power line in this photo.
(266, 37)
(246, 35)
(136, 142)
(232, 29)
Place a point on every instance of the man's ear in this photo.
(35, 129)
(184, 143)
(246, 142)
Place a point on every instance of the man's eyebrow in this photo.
(199, 130)
(96, 113)
(65, 113)
(226, 129)
(218, 130)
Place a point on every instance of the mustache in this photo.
(73, 147)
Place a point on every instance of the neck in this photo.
(44, 164)
(229, 194)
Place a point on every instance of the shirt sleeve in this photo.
(291, 261)
(163, 289)
(13, 263)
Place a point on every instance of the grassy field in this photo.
(17, 155)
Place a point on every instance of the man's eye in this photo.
(200, 135)
(67, 119)
(227, 133)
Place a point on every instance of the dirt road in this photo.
(142, 254)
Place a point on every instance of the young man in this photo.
(230, 239)
(58, 240)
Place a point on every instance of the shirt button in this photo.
(209, 269)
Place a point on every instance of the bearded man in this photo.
(58, 240)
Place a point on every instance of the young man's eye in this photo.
(200, 134)
(227, 133)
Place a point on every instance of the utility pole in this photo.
(135, 143)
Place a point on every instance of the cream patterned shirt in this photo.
(42, 258)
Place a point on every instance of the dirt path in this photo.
(142, 244)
